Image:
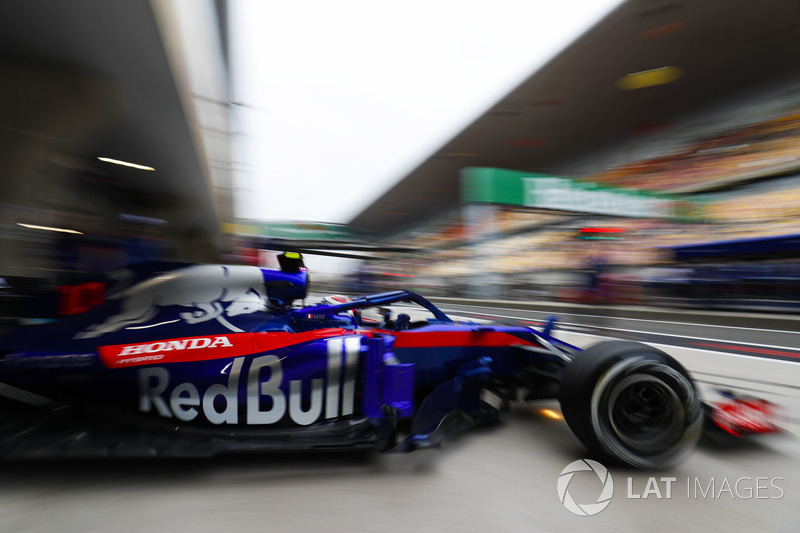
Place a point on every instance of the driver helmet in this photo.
(336, 299)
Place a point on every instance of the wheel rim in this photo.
(645, 412)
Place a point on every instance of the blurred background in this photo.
(585, 154)
(640, 152)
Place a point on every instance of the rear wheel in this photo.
(630, 402)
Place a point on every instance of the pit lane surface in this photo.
(502, 478)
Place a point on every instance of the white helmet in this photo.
(337, 299)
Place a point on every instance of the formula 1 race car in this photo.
(199, 360)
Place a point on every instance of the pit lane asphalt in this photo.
(502, 478)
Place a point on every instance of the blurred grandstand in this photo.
(743, 186)
(696, 104)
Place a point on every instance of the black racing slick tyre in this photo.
(632, 403)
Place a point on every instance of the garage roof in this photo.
(96, 78)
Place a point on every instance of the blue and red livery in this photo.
(178, 360)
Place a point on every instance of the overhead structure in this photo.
(113, 113)
(637, 71)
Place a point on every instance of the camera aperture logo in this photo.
(586, 509)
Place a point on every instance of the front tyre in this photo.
(630, 402)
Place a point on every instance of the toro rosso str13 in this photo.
(188, 360)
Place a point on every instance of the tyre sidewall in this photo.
(582, 402)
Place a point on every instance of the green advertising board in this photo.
(291, 230)
(512, 187)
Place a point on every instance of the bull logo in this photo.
(210, 292)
